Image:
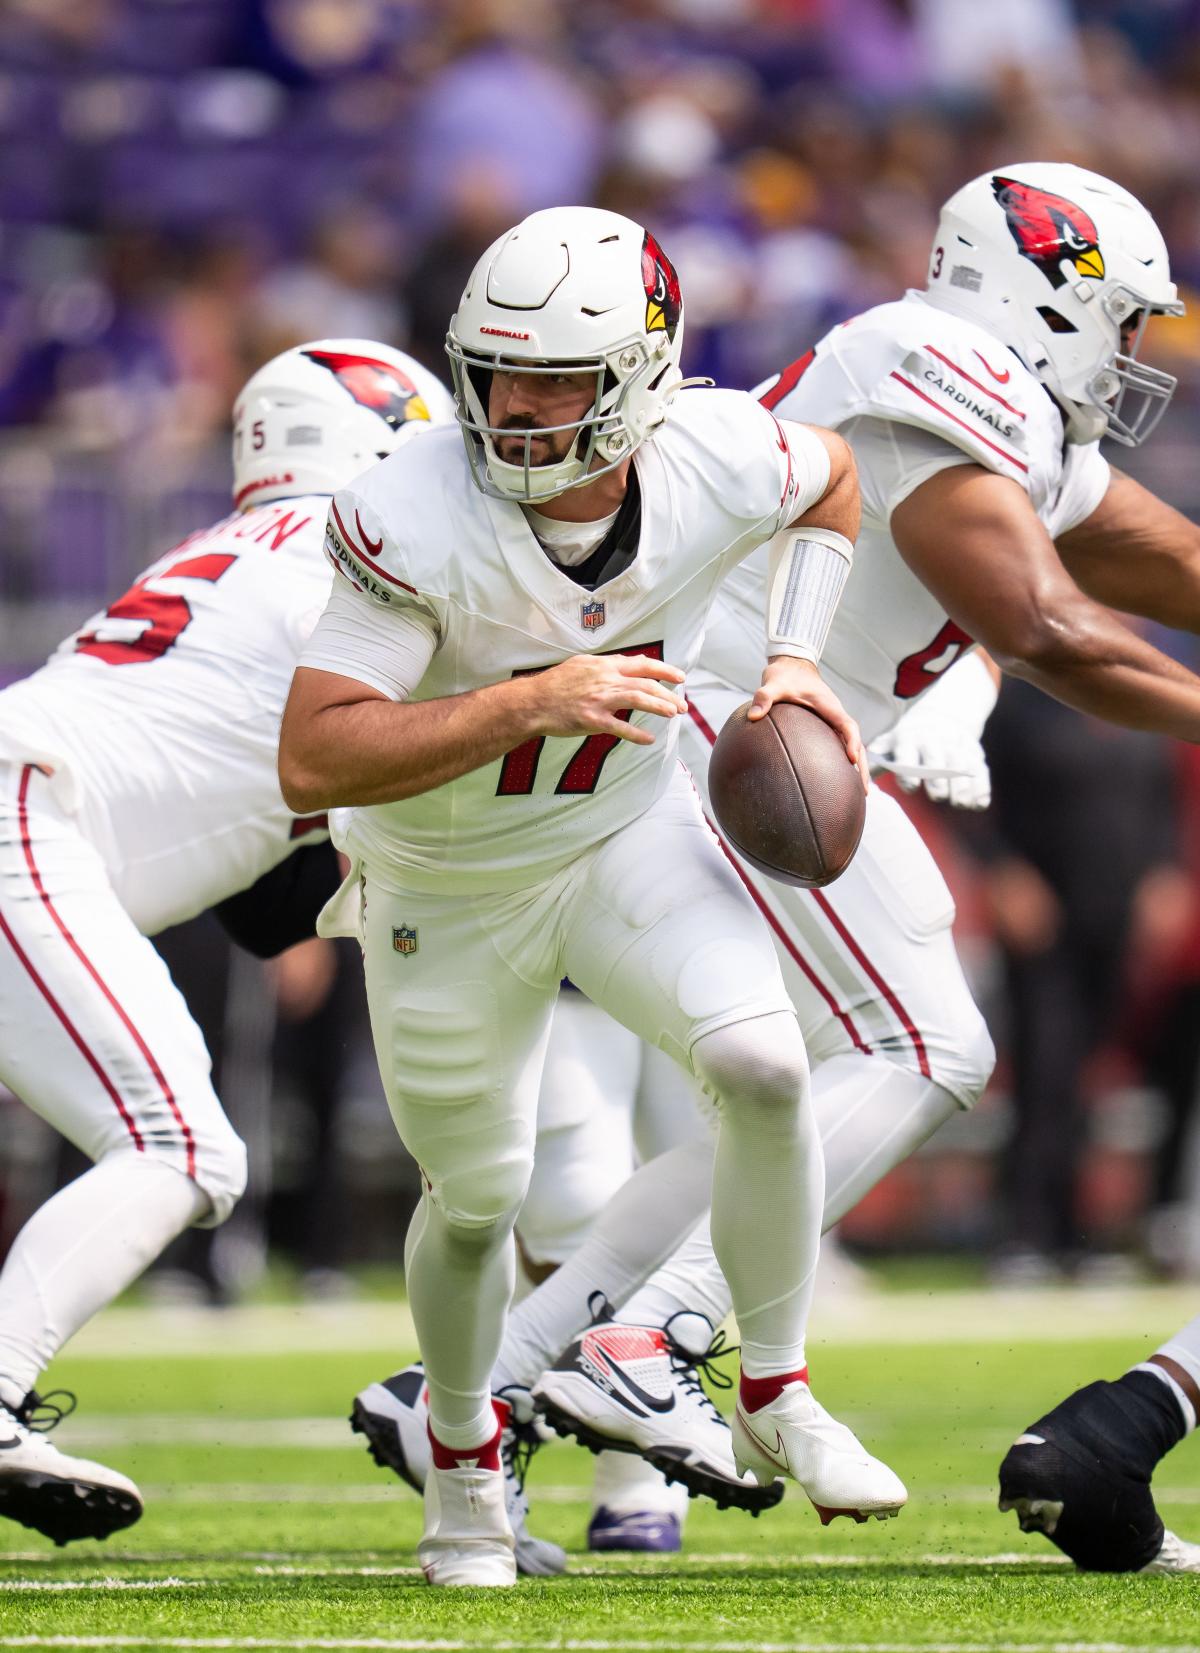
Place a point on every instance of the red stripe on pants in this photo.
(122, 1015)
(793, 952)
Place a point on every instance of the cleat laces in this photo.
(688, 1367)
(42, 1413)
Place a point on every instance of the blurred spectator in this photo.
(1081, 824)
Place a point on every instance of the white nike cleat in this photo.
(40, 1487)
(794, 1435)
(467, 1540)
(1176, 1556)
(637, 1389)
(394, 1417)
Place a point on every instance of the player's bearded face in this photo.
(522, 402)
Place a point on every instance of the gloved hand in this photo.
(936, 743)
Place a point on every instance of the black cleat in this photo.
(42, 1488)
(1081, 1475)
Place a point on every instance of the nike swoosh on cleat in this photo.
(777, 1451)
(635, 1389)
(5, 1445)
(1000, 378)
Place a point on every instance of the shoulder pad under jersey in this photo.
(387, 528)
(734, 445)
(913, 363)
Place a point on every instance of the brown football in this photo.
(786, 796)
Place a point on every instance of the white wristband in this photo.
(809, 568)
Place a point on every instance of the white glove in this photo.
(936, 743)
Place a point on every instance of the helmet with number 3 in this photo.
(1066, 268)
(316, 416)
(578, 290)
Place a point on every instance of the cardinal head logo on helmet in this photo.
(374, 384)
(664, 302)
(1050, 230)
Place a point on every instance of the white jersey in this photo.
(160, 717)
(420, 542)
(913, 389)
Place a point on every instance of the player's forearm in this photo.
(1137, 554)
(380, 751)
(1114, 675)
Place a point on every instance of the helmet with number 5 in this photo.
(315, 416)
(578, 290)
(1066, 268)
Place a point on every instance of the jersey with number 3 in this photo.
(160, 716)
(414, 536)
(913, 389)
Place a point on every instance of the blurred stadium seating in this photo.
(188, 186)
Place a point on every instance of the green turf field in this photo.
(268, 1526)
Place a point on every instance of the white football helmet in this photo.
(317, 415)
(572, 289)
(1066, 268)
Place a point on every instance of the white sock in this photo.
(768, 1185)
(644, 1222)
(871, 1115)
(1184, 1349)
(1186, 1410)
(627, 1484)
(460, 1283)
(80, 1250)
(690, 1279)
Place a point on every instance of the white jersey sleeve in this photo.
(805, 470)
(1086, 476)
(894, 459)
(388, 649)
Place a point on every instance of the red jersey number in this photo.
(922, 669)
(162, 615)
(519, 770)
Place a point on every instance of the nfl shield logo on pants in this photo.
(404, 938)
(591, 616)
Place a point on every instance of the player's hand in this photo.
(800, 682)
(928, 749)
(584, 695)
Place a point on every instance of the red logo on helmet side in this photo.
(376, 385)
(1049, 230)
(664, 302)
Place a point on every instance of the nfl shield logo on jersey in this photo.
(404, 938)
(591, 616)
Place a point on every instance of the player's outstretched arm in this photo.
(973, 538)
(345, 743)
(1138, 554)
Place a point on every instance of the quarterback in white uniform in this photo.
(975, 410)
(480, 687)
(138, 787)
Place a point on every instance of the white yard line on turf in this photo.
(104, 1583)
(556, 1645)
(926, 1317)
(271, 1565)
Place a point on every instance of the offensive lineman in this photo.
(479, 686)
(138, 787)
(975, 409)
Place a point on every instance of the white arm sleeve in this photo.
(388, 649)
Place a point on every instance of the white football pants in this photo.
(97, 1040)
(654, 926)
